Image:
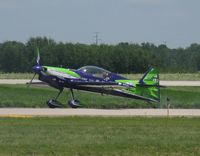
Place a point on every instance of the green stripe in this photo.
(63, 70)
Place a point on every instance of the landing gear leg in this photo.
(59, 94)
(73, 102)
(53, 103)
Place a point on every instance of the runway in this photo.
(47, 112)
(163, 83)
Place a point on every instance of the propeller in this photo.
(35, 68)
(38, 56)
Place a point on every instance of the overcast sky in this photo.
(174, 22)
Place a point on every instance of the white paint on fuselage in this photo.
(60, 74)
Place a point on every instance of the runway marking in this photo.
(15, 116)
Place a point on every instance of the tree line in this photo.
(121, 58)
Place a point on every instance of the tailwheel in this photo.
(74, 103)
(52, 103)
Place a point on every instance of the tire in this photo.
(74, 103)
(54, 104)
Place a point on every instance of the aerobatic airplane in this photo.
(98, 80)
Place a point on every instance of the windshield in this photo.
(95, 71)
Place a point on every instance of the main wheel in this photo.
(54, 104)
(74, 103)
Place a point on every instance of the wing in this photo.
(112, 91)
(95, 83)
(107, 87)
(78, 83)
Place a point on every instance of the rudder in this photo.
(149, 85)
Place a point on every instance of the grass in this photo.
(163, 76)
(16, 75)
(21, 96)
(181, 97)
(96, 136)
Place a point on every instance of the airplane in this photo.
(98, 80)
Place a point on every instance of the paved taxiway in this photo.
(33, 112)
(164, 83)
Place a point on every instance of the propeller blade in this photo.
(31, 81)
(38, 56)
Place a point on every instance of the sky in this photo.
(172, 22)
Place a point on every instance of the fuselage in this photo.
(83, 74)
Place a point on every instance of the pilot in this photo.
(106, 76)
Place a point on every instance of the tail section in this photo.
(151, 77)
(148, 86)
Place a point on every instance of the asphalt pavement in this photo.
(46, 112)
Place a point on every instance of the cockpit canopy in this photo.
(95, 71)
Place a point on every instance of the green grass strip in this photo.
(33, 97)
(100, 136)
